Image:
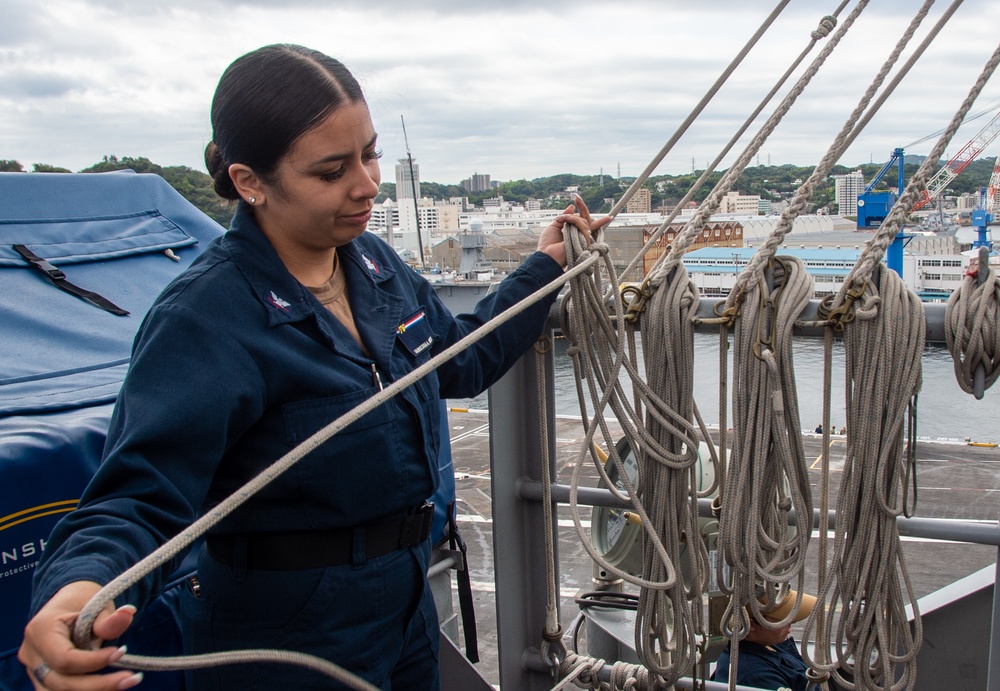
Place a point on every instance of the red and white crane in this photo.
(956, 165)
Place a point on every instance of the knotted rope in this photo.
(665, 497)
(766, 477)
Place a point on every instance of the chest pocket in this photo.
(305, 418)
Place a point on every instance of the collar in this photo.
(285, 299)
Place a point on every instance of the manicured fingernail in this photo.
(129, 682)
(130, 608)
(118, 654)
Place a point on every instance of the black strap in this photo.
(465, 603)
(315, 549)
(58, 279)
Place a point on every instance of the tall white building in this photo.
(736, 203)
(405, 183)
(847, 188)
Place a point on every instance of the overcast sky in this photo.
(510, 88)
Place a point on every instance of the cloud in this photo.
(523, 90)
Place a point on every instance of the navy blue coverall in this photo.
(234, 365)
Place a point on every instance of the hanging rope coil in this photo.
(671, 481)
(766, 477)
(666, 443)
(972, 329)
(868, 582)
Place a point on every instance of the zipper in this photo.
(376, 379)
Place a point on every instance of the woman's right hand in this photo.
(51, 659)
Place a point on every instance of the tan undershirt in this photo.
(334, 297)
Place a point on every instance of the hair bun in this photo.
(219, 171)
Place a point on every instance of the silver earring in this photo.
(252, 200)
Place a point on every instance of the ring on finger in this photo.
(40, 672)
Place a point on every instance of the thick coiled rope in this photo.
(766, 476)
(972, 328)
(671, 480)
(868, 583)
(665, 497)
(884, 344)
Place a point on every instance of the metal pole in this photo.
(931, 528)
(518, 537)
(413, 186)
(993, 675)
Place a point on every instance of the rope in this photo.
(668, 615)
(883, 366)
(687, 236)
(696, 111)
(671, 479)
(848, 132)
(972, 328)
(767, 476)
(826, 25)
(822, 638)
(875, 248)
(83, 629)
(599, 364)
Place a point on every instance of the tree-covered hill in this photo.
(770, 182)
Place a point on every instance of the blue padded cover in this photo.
(62, 360)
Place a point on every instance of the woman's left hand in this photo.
(551, 240)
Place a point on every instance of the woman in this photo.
(291, 319)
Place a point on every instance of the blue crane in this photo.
(873, 207)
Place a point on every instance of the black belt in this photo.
(314, 549)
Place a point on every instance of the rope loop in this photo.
(826, 25)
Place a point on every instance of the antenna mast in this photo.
(413, 185)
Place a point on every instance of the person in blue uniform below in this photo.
(769, 658)
(292, 318)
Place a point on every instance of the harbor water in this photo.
(944, 411)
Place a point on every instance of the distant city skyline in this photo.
(527, 90)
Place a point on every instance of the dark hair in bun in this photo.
(266, 100)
